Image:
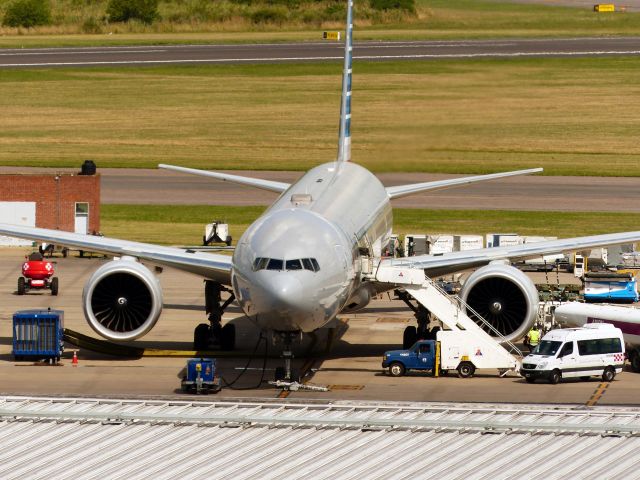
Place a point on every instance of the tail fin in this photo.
(344, 140)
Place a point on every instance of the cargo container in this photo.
(38, 335)
(503, 240)
(439, 244)
(462, 243)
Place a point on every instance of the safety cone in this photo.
(74, 362)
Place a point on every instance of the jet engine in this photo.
(359, 299)
(505, 297)
(122, 300)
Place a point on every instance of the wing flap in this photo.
(213, 266)
(270, 185)
(403, 190)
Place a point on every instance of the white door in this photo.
(82, 218)
(17, 213)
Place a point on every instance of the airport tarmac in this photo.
(350, 365)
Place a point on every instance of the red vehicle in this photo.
(37, 273)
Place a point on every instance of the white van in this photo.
(595, 349)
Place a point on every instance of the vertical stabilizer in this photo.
(344, 140)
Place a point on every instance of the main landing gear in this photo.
(412, 334)
(206, 336)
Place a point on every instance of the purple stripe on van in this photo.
(626, 327)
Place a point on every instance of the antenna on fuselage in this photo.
(344, 139)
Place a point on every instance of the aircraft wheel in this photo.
(280, 372)
(409, 337)
(635, 361)
(201, 336)
(228, 337)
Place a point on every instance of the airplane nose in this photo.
(285, 293)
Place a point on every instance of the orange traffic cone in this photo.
(74, 362)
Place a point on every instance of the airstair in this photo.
(452, 312)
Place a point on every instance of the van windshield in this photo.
(546, 347)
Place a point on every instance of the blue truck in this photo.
(421, 356)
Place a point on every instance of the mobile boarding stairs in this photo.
(484, 351)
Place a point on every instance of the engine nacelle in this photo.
(122, 300)
(505, 297)
(359, 299)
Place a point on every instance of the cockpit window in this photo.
(294, 265)
(262, 263)
(275, 264)
(315, 265)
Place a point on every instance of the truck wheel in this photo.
(409, 337)
(396, 369)
(466, 370)
(54, 286)
(555, 377)
(21, 287)
(608, 375)
(444, 373)
(228, 241)
(65, 252)
(201, 337)
(530, 379)
(635, 361)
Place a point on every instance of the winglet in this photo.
(344, 139)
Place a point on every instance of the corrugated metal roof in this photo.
(101, 438)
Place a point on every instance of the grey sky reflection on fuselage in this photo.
(327, 215)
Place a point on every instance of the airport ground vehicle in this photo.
(201, 376)
(595, 349)
(216, 232)
(37, 273)
(453, 350)
(38, 334)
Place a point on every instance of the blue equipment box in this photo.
(38, 334)
(201, 375)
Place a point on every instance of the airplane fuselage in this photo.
(300, 263)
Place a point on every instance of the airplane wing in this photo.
(213, 266)
(270, 185)
(456, 261)
(403, 190)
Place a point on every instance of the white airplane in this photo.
(303, 262)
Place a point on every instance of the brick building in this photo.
(61, 201)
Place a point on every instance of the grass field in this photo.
(165, 224)
(570, 116)
(186, 21)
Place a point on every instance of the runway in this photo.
(315, 52)
(570, 194)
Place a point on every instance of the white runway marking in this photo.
(337, 57)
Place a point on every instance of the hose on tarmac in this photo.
(244, 370)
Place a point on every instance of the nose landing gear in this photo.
(206, 336)
(286, 373)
